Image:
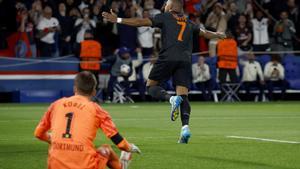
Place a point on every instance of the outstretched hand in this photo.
(135, 149)
(221, 35)
(111, 17)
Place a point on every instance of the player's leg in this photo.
(182, 80)
(160, 93)
(157, 92)
(185, 111)
(185, 108)
(108, 158)
(161, 71)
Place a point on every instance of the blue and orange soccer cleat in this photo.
(184, 135)
(175, 102)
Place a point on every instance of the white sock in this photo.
(170, 100)
(185, 126)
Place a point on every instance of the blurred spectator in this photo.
(202, 78)
(249, 9)
(66, 30)
(108, 32)
(293, 10)
(148, 66)
(274, 75)
(159, 4)
(260, 32)
(284, 32)
(96, 14)
(70, 4)
(216, 21)
(192, 6)
(83, 24)
(36, 12)
(121, 58)
(243, 34)
(128, 34)
(84, 4)
(297, 37)
(74, 14)
(133, 80)
(90, 54)
(48, 27)
(241, 5)
(149, 5)
(294, 15)
(227, 53)
(199, 42)
(145, 37)
(27, 38)
(276, 6)
(252, 76)
(232, 17)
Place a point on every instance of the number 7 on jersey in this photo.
(182, 28)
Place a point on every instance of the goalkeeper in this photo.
(70, 126)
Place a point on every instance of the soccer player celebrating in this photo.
(70, 126)
(174, 58)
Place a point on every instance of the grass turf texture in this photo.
(148, 126)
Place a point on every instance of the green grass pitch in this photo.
(148, 126)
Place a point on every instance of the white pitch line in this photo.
(135, 107)
(264, 139)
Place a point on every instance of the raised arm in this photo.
(212, 35)
(137, 22)
(109, 129)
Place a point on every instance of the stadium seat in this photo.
(292, 70)
(212, 63)
(263, 60)
(195, 58)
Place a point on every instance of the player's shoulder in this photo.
(97, 107)
(165, 15)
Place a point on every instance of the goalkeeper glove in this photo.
(135, 149)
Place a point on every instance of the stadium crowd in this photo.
(59, 25)
(53, 28)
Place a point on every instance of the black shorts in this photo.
(179, 71)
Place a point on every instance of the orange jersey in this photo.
(73, 123)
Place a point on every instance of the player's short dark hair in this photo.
(85, 82)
